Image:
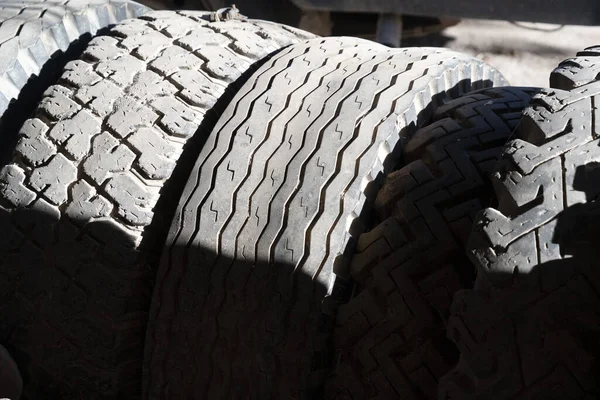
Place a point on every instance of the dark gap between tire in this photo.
(324, 361)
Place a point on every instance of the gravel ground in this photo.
(525, 53)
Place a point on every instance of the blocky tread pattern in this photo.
(391, 334)
(529, 328)
(77, 202)
(251, 251)
(577, 71)
(33, 32)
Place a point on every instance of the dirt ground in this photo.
(525, 53)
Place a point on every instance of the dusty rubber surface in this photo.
(33, 32)
(529, 328)
(87, 196)
(246, 292)
(391, 334)
(577, 71)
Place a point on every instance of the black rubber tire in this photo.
(87, 198)
(34, 32)
(578, 71)
(391, 334)
(530, 327)
(246, 292)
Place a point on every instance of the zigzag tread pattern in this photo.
(251, 249)
(390, 335)
(33, 32)
(78, 202)
(528, 328)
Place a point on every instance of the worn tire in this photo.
(530, 327)
(246, 292)
(34, 32)
(391, 334)
(86, 201)
(577, 71)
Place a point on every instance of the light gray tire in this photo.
(33, 32)
(246, 292)
(86, 200)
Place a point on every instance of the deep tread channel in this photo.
(246, 292)
(529, 328)
(391, 335)
(82, 206)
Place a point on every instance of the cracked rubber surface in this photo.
(577, 71)
(33, 32)
(391, 334)
(246, 292)
(529, 328)
(82, 206)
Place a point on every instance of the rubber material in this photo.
(391, 335)
(33, 32)
(86, 201)
(245, 298)
(578, 71)
(530, 327)
(11, 384)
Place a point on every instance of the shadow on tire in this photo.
(536, 336)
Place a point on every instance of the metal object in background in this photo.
(389, 30)
(317, 22)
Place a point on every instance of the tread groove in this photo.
(258, 296)
(85, 197)
(541, 308)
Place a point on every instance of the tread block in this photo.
(198, 90)
(128, 115)
(12, 179)
(76, 145)
(522, 327)
(175, 59)
(409, 266)
(52, 179)
(32, 33)
(58, 105)
(80, 73)
(146, 45)
(83, 201)
(109, 156)
(156, 153)
(86, 203)
(150, 85)
(100, 97)
(33, 145)
(178, 119)
(121, 70)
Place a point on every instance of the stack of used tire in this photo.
(197, 205)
